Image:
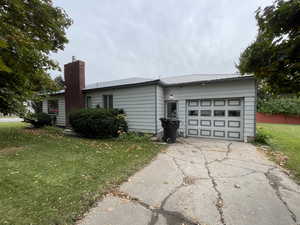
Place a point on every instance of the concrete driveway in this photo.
(10, 119)
(202, 181)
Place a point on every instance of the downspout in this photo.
(156, 110)
(255, 106)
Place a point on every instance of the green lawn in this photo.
(285, 138)
(47, 178)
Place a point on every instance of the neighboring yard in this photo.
(47, 178)
(285, 138)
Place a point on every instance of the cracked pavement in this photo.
(205, 182)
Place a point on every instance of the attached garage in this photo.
(221, 107)
(215, 118)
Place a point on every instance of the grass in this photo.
(47, 178)
(286, 139)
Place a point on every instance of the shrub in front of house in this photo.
(280, 105)
(261, 136)
(98, 123)
(39, 119)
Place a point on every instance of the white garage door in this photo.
(215, 118)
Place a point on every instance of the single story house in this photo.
(219, 106)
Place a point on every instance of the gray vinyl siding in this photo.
(160, 107)
(230, 89)
(137, 102)
(45, 106)
(61, 116)
(250, 116)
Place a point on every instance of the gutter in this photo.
(152, 82)
(207, 81)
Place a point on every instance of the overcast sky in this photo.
(157, 38)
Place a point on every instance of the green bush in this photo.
(39, 119)
(280, 105)
(98, 123)
(261, 137)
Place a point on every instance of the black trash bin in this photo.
(170, 129)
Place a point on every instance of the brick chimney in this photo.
(74, 81)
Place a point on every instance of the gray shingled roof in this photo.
(167, 80)
(175, 80)
(199, 78)
(107, 84)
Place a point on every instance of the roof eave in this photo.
(208, 81)
(52, 93)
(152, 82)
(159, 82)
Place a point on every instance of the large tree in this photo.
(29, 31)
(60, 83)
(274, 57)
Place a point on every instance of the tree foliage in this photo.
(60, 83)
(29, 31)
(274, 57)
(281, 105)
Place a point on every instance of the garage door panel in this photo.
(232, 134)
(234, 102)
(215, 118)
(219, 123)
(193, 112)
(205, 133)
(220, 133)
(193, 122)
(234, 124)
(193, 132)
(221, 102)
(205, 123)
(193, 103)
(205, 103)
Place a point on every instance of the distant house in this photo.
(219, 106)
